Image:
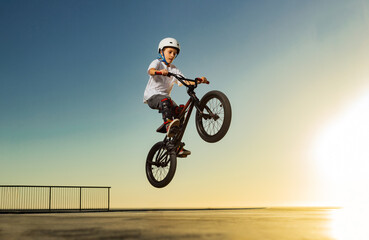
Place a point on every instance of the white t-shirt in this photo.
(159, 84)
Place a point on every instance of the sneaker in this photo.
(172, 127)
(183, 153)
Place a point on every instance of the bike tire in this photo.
(212, 130)
(160, 165)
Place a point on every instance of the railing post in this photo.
(108, 199)
(80, 199)
(49, 198)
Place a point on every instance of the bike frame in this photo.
(185, 114)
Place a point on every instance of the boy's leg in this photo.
(165, 106)
(167, 111)
(154, 102)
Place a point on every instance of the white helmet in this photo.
(169, 42)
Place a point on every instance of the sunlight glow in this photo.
(350, 223)
(342, 155)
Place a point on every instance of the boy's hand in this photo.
(164, 72)
(202, 80)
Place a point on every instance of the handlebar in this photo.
(182, 79)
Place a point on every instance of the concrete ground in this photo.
(279, 224)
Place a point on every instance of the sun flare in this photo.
(342, 155)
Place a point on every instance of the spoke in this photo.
(214, 130)
(163, 155)
(155, 172)
(158, 155)
(212, 104)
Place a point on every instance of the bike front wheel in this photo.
(160, 165)
(214, 119)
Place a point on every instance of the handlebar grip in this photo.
(160, 73)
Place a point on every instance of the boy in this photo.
(159, 87)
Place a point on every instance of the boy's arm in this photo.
(199, 80)
(153, 71)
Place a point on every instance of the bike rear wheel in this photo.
(213, 128)
(160, 165)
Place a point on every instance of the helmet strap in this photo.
(162, 58)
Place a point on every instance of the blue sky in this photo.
(73, 73)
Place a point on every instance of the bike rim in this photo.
(212, 126)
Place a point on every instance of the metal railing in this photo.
(54, 198)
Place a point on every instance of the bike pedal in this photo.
(161, 129)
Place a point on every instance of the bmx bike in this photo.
(213, 118)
